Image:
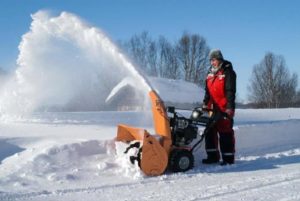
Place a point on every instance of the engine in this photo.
(183, 130)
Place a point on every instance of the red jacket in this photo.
(220, 88)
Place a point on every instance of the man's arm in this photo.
(230, 88)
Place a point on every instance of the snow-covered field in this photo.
(72, 156)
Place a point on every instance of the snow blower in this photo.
(174, 142)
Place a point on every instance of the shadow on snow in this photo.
(7, 149)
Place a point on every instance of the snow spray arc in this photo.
(65, 64)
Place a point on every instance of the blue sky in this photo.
(243, 30)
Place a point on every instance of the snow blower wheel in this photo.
(181, 160)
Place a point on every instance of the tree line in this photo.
(271, 85)
(187, 58)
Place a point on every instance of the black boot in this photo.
(211, 158)
(227, 160)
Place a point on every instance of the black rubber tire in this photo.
(181, 160)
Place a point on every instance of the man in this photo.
(220, 97)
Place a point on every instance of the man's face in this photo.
(215, 62)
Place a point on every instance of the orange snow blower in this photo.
(173, 144)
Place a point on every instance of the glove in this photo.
(230, 113)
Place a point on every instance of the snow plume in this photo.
(65, 64)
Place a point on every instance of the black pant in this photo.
(221, 133)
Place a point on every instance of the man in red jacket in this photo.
(220, 97)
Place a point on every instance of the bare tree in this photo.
(193, 53)
(168, 62)
(152, 58)
(142, 49)
(271, 84)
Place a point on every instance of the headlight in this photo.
(195, 114)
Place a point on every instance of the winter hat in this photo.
(216, 54)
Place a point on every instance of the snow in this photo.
(72, 156)
(168, 90)
(65, 64)
(127, 81)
